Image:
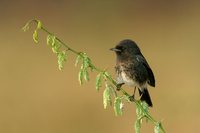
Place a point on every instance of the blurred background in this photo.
(35, 97)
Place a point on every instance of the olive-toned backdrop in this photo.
(35, 97)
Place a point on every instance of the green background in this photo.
(35, 97)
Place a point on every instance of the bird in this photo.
(133, 70)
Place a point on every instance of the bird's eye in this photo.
(123, 48)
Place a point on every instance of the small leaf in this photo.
(98, 81)
(121, 106)
(80, 76)
(77, 60)
(56, 47)
(139, 111)
(145, 107)
(85, 63)
(117, 106)
(26, 27)
(86, 75)
(39, 24)
(61, 59)
(157, 128)
(53, 40)
(35, 36)
(106, 97)
(49, 39)
(112, 89)
(137, 126)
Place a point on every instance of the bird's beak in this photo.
(115, 49)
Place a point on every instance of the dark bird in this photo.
(132, 69)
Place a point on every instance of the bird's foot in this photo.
(132, 98)
(119, 86)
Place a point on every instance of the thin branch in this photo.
(87, 63)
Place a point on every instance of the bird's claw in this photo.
(132, 98)
(119, 86)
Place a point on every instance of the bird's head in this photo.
(126, 49)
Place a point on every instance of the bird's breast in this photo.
(124, 76)
(127, 80)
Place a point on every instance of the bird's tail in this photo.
(145, 96)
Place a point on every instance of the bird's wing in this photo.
(151, 79)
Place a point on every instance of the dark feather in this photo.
(145, 97)
(151, 78)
